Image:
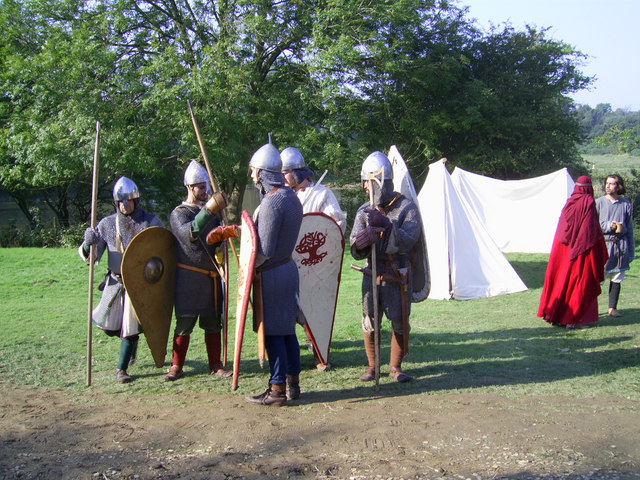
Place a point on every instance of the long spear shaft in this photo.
(92, 251)
(214, 187)
(374, 281)
(205, 157)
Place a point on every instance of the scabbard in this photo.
(258, 317)
(404, 298)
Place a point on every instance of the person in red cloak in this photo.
(576, 264)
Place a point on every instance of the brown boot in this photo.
(293, 387)
(180, 348)
(370, 349)
(123, 377)
(174, 373)
(397, 355)
(274, 395)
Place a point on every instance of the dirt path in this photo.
(47, 433)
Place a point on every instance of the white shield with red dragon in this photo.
(318, 254)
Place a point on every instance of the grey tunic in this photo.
(194, 293)
(278, 225)
(402, 239)
(621, 246)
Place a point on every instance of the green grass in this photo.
(488, 345)
(605, 164)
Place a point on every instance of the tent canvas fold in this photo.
(464, 260)
(520, 215)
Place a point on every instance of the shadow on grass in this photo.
(441, 362)
(531, 273)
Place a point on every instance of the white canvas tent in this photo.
(465, 262)
(520, 215)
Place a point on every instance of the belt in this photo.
(209, 273)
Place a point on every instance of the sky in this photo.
(608, 31)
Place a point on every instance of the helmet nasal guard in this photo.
(376, 165)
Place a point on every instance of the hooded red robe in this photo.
(576, 264)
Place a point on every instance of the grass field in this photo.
(490, 345)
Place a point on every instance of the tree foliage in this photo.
(608, 131)
(336, 78)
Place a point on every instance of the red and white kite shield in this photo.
(318, 254)
(246, 271)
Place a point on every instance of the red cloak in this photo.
(576, 264)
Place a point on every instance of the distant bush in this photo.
(22, 236)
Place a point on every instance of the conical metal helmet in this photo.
(125, 189)
(375, 163)
(195, 173)
(292, 159)
(267, 157)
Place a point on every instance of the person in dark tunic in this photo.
(115, 313)
(198, 291)
(393, 226)
(278, 221)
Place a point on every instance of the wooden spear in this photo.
(92, 251)
(215, 188)
(373, 177)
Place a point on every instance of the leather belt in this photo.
(209, 273)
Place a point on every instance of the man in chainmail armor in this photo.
(393, 227)
(278, 224)
(197, 225)
(115, 313)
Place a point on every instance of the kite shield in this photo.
(403, 183)
(246, 272)
(318, 254)
(148, 274)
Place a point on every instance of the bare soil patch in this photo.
(51, 433)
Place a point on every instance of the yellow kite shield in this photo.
(148, 274)
(318, 254)
(246, 272)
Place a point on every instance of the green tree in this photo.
(338, 79)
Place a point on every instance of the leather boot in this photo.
(213, 341)
(397, 355)
(370, 349)
(293, 387)
(123, 377)
(274, 395)
(180, 348)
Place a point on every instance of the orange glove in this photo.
(221, 233)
